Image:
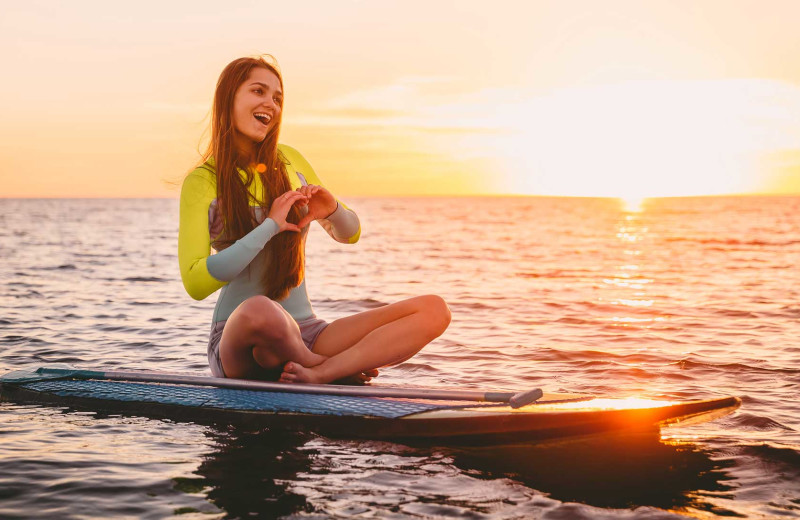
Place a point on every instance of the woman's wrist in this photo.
(338, 207)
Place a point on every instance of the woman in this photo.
(252, 200)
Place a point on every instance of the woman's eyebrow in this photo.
(265, 86)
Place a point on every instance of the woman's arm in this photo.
(342, 225)
(228, 263)
(194, 242)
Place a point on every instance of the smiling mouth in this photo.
(263, 118)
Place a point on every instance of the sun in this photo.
(632, 204)
(638, 140)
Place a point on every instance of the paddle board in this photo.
(551, 416)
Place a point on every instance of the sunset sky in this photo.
(588, 98)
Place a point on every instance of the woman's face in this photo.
(256, 107)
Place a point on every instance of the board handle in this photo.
(521, 399)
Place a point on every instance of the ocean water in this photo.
(679, 299)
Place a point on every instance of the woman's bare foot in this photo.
(296, 373)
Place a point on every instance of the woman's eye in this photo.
(278, 100)
(258, 91)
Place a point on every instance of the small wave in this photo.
(757, 422)
(140, 344)
(144, 279)
(471, 305)
(70, 360)
(20, 339)
(688, 364)
(416, 367)
(551, 354)
(573, 321)
(29, 294)
(62, 267)
(553, 274)
(618, 308)
(116, 328)
(734, 313)
(776, 454)
(790, 311)
(733, 242)
(368, 303)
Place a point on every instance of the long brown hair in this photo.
(285, 263)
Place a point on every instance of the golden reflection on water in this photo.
(628, 283)
(636, 303)
(682, 440)
(631, 320)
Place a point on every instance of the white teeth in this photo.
(266, 117)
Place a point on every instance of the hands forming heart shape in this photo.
(319, 201)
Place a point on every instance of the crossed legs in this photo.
(260, 338)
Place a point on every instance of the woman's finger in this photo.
(283, 203)
(290, 197)
(302, 200)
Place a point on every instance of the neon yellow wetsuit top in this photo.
(237, 269)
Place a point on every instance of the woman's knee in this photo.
(436, 312)
(263, 317)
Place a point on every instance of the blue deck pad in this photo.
(232, 399)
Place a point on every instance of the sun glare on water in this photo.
(632, 204)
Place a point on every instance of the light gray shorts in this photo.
(310, 329)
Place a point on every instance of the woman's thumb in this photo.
(291, 227)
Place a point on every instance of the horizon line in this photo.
(442, 195)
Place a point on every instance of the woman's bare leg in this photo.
(373, 339)
(260, 337)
